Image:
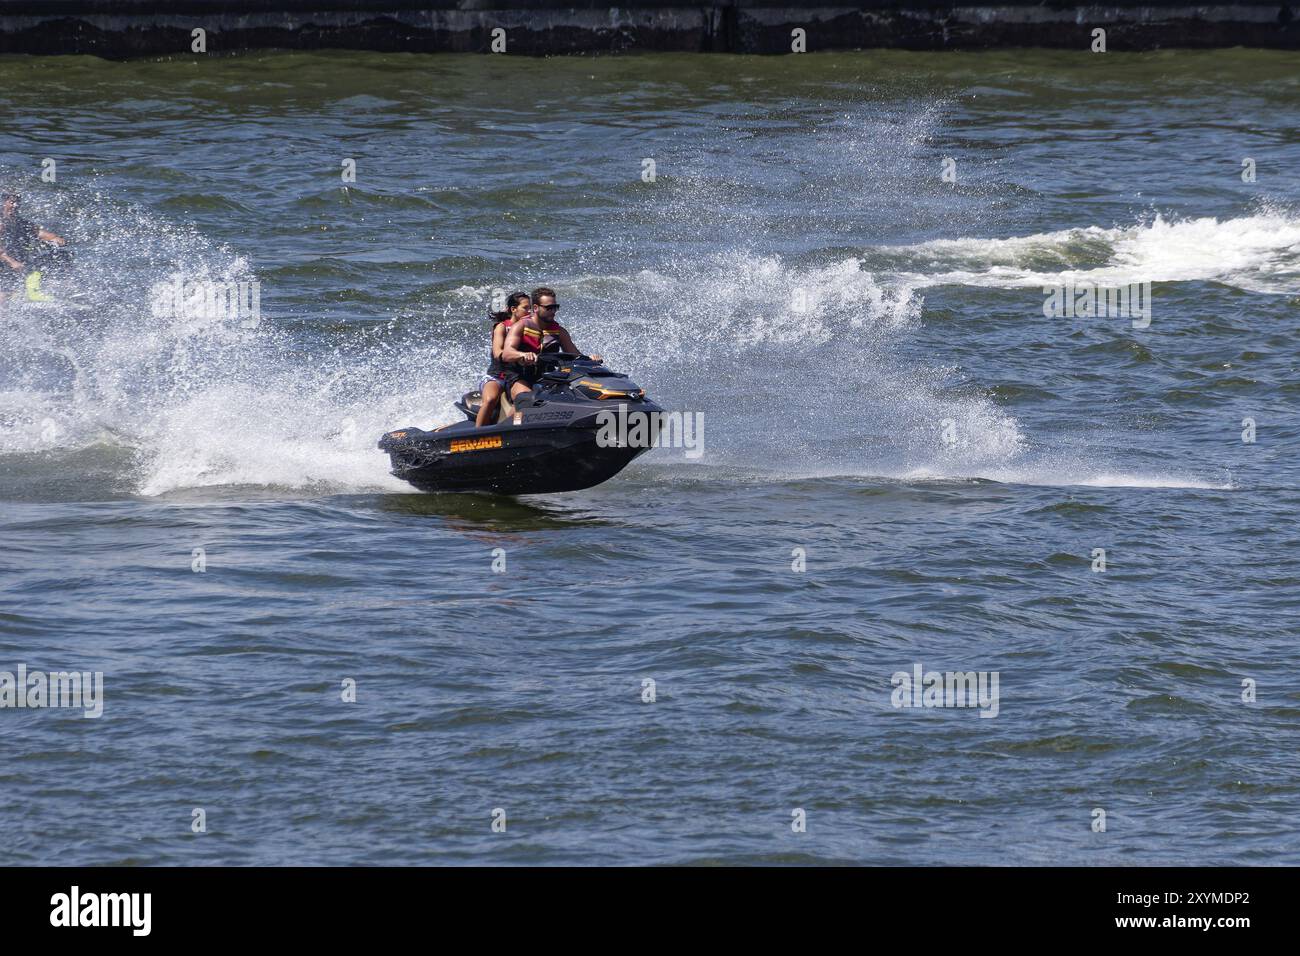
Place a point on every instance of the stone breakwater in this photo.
(130, 28)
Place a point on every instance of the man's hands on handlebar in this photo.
(553, 358)
(568, 357)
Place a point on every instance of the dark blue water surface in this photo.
(905, 462)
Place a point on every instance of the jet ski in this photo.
(547, 442)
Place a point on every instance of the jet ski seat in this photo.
(473, 401)
(505, 409)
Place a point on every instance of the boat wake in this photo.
(1259, 253)
(823, 344)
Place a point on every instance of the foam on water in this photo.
(1047, 477)
(1258, 253)
(200, 402)
(828, 388)
(796, 385)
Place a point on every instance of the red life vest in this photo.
(535, 339)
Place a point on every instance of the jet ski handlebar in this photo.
(559, 358)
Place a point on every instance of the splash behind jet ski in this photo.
(46, 282)
(52, 260)
(545, 443)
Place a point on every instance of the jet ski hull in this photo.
(553, 448)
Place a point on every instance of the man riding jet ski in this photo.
(529, 337)
(551, 432)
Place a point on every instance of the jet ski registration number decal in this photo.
(475, 444)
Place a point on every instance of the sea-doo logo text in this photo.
(1086, 300)
(639, 429)
(475, 444)
(83, 690)
(951, 689)
(103, 909)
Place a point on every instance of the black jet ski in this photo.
(544, 443)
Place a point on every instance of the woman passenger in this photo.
(518, 308)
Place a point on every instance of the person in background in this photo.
(20, 243)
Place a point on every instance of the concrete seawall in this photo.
(127, 28)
